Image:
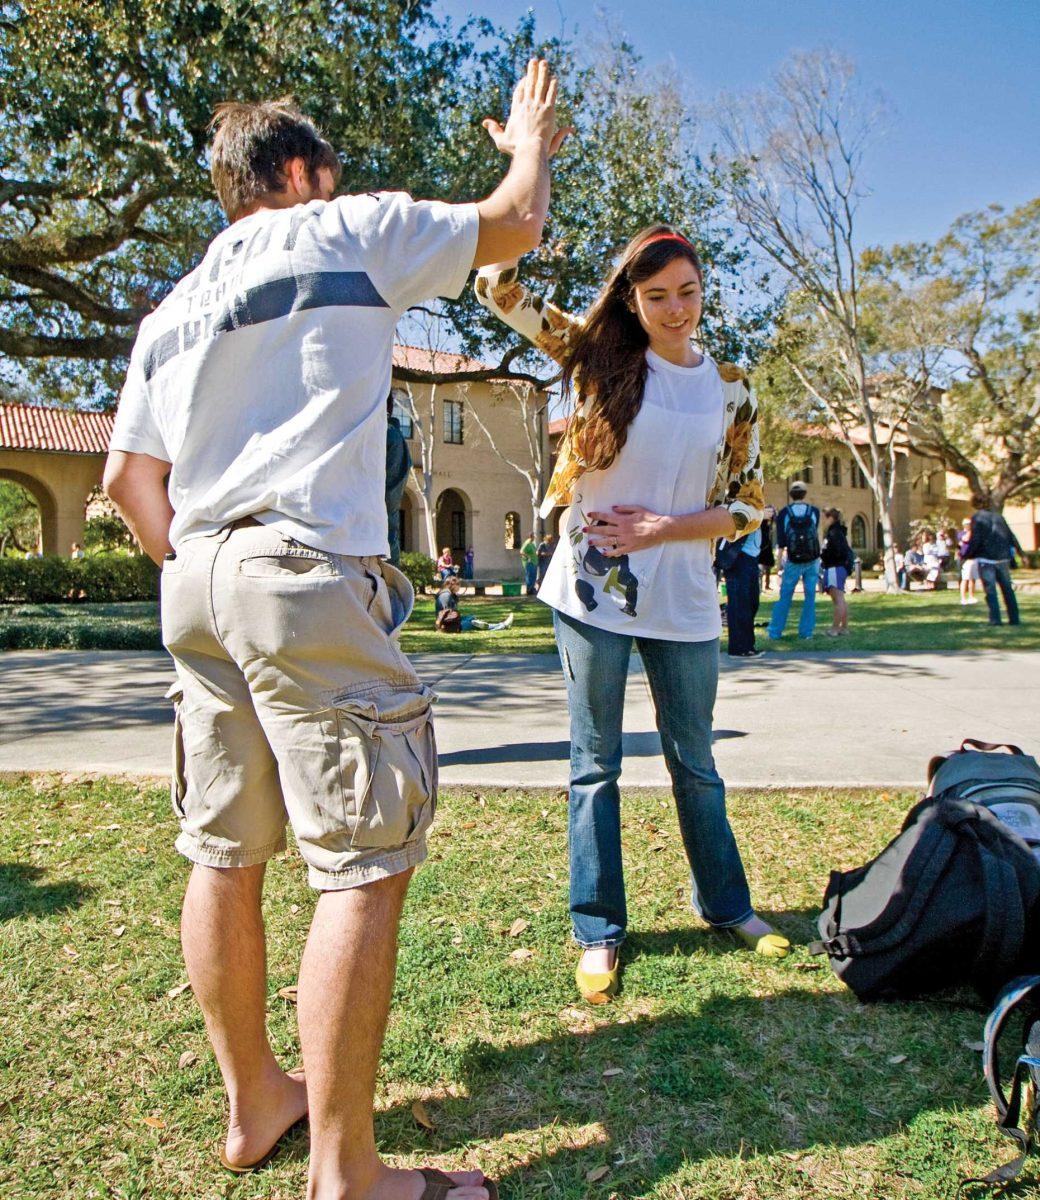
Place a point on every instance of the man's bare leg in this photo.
(346, 979)
(222, 932)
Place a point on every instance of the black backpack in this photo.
(803, 540)
(953, 900)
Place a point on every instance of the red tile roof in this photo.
(33, 427)
(415, 358)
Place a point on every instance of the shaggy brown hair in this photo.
(608, 362)
(251, 146)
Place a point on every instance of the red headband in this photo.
(666, 237)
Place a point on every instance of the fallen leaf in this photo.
(438, 920)
(522, 953)
(186, 1059)
(174, 992)
(545, 813)
(518, 926)
(468, 825)
(288, 993)
(896, 1059)
(457, 940)
(610, 1072)
(807, 966)
(155, 1123)
(70, 951)
(422, 1117)
(596, 1174)
(294, 909)
(978, 1047)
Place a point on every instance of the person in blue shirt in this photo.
(798, 540)
(739, 562)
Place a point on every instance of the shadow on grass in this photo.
(23, 895)
(798, 924)
(798, 1070)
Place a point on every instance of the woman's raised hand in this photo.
(626, 528)
(532, 116)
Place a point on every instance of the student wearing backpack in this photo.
(798, 540)
(836, 561)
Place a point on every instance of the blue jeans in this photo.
(809, 574)
(742, 597)
(683, 679)
(994, 575)
(530, 576)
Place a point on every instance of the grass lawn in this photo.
(918, 621)
(715, 1076)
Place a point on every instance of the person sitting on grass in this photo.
(836, 560)
(450, 620)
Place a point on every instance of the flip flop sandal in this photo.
(264, 1159)
(440, 1186)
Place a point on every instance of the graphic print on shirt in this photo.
(620, 583)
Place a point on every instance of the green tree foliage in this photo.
(957, 328)
(105, 199)
(19, 519)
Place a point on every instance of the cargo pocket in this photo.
(388, 768)
(178, 780)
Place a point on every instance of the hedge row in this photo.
(99, 578)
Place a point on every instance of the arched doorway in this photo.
(46, 538)
(453, 524)
(406, 523)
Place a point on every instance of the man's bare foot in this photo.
(410, 1185)
(257, 1122)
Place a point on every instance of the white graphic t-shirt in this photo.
(666, 465)
(263, 376)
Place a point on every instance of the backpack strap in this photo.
(975, 744)
(1005, 920)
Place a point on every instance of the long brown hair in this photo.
(608, 362)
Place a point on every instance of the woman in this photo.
(836, 563)
(660, 458)
(969, 566)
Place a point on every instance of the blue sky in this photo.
(962, 78)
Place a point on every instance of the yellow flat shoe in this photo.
(769, 945)
(597, 987)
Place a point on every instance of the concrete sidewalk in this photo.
(784, 720)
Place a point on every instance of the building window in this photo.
(807, 472)
(859, 533)
(512, 539)
(403, 413)
(826, 471)
(836, 471)
(453, 422)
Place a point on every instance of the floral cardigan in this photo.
(737, 481)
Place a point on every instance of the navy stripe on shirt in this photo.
(267, 302)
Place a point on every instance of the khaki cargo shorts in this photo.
(294, 703)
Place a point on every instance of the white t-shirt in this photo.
(263, 376)
(667, 465)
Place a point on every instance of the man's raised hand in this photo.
(532, 117)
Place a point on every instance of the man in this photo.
(739, 562)
(259, 385)
(448, 618)
(529, 561)
(991, 544)
(798, 540)
(398, 464)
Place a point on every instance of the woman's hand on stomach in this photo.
(626, 529)
(631, 527)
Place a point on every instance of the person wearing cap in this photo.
(798, 541)
(660, 458)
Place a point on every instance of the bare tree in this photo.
(794, 156)
(529, 406)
